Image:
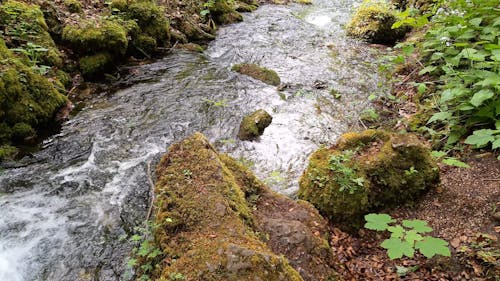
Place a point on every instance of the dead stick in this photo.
(152, 186)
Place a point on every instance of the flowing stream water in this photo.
(64, 209)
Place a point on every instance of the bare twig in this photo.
(152, 190)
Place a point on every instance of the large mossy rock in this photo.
(99, 35)
(25, 28)
(254, 124)
(373, 22)
(214, 219)
(255, 71)
(154, 27)
(28, 101)
(365, 172)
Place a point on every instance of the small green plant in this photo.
(34, 52)
(176, 276)
(187, 174)
(345, 175)
(145, 254)
(450, 161)
(274, 178)
(216, 103)
(411, 171)
(336, 94)
(206, 12)
(407, 237)
(207, 6)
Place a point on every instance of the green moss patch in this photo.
(366, 172)
(94, 65)
(7, 152)
(73, 6)
(153, 27)
(373, 22)
(27, 100)
(255, 71)
(89, 37)
(253, 125)
(24, 27)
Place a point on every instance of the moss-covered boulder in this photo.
(212, 217)
(224, 12)
(93, 36)
(28, 101)
(98, 43)
(365, 172)
(246, 6)
(7, 152)
(94, 65)
(73, 6)
(253, 125)
(373, 22)
(255, 71)
(154, 28)
(24, 28)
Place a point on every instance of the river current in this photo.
(64, 208)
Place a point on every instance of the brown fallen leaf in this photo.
(455, 243)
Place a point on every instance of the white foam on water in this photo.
(319, 20)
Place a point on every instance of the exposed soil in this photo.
(460, 211)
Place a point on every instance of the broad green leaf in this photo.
(481, 96)
(417, 225)
(495, 55)
(450, 161)
(412, 236)
(431, 246)
(421, 88)
(396, 248)
(427, 69)
(453, 93)
(378, 221)
(496, 144)
(491, 80)
(396, 231)
(438, 154)
(480, 138)
(440, 116)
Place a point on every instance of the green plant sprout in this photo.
(145, 254)
(345, 176)
(450, 161)
(407, 237)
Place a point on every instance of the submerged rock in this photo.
(365, 172)
(373, 22)
(253, 125)
(255, 71)
(216, 221)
